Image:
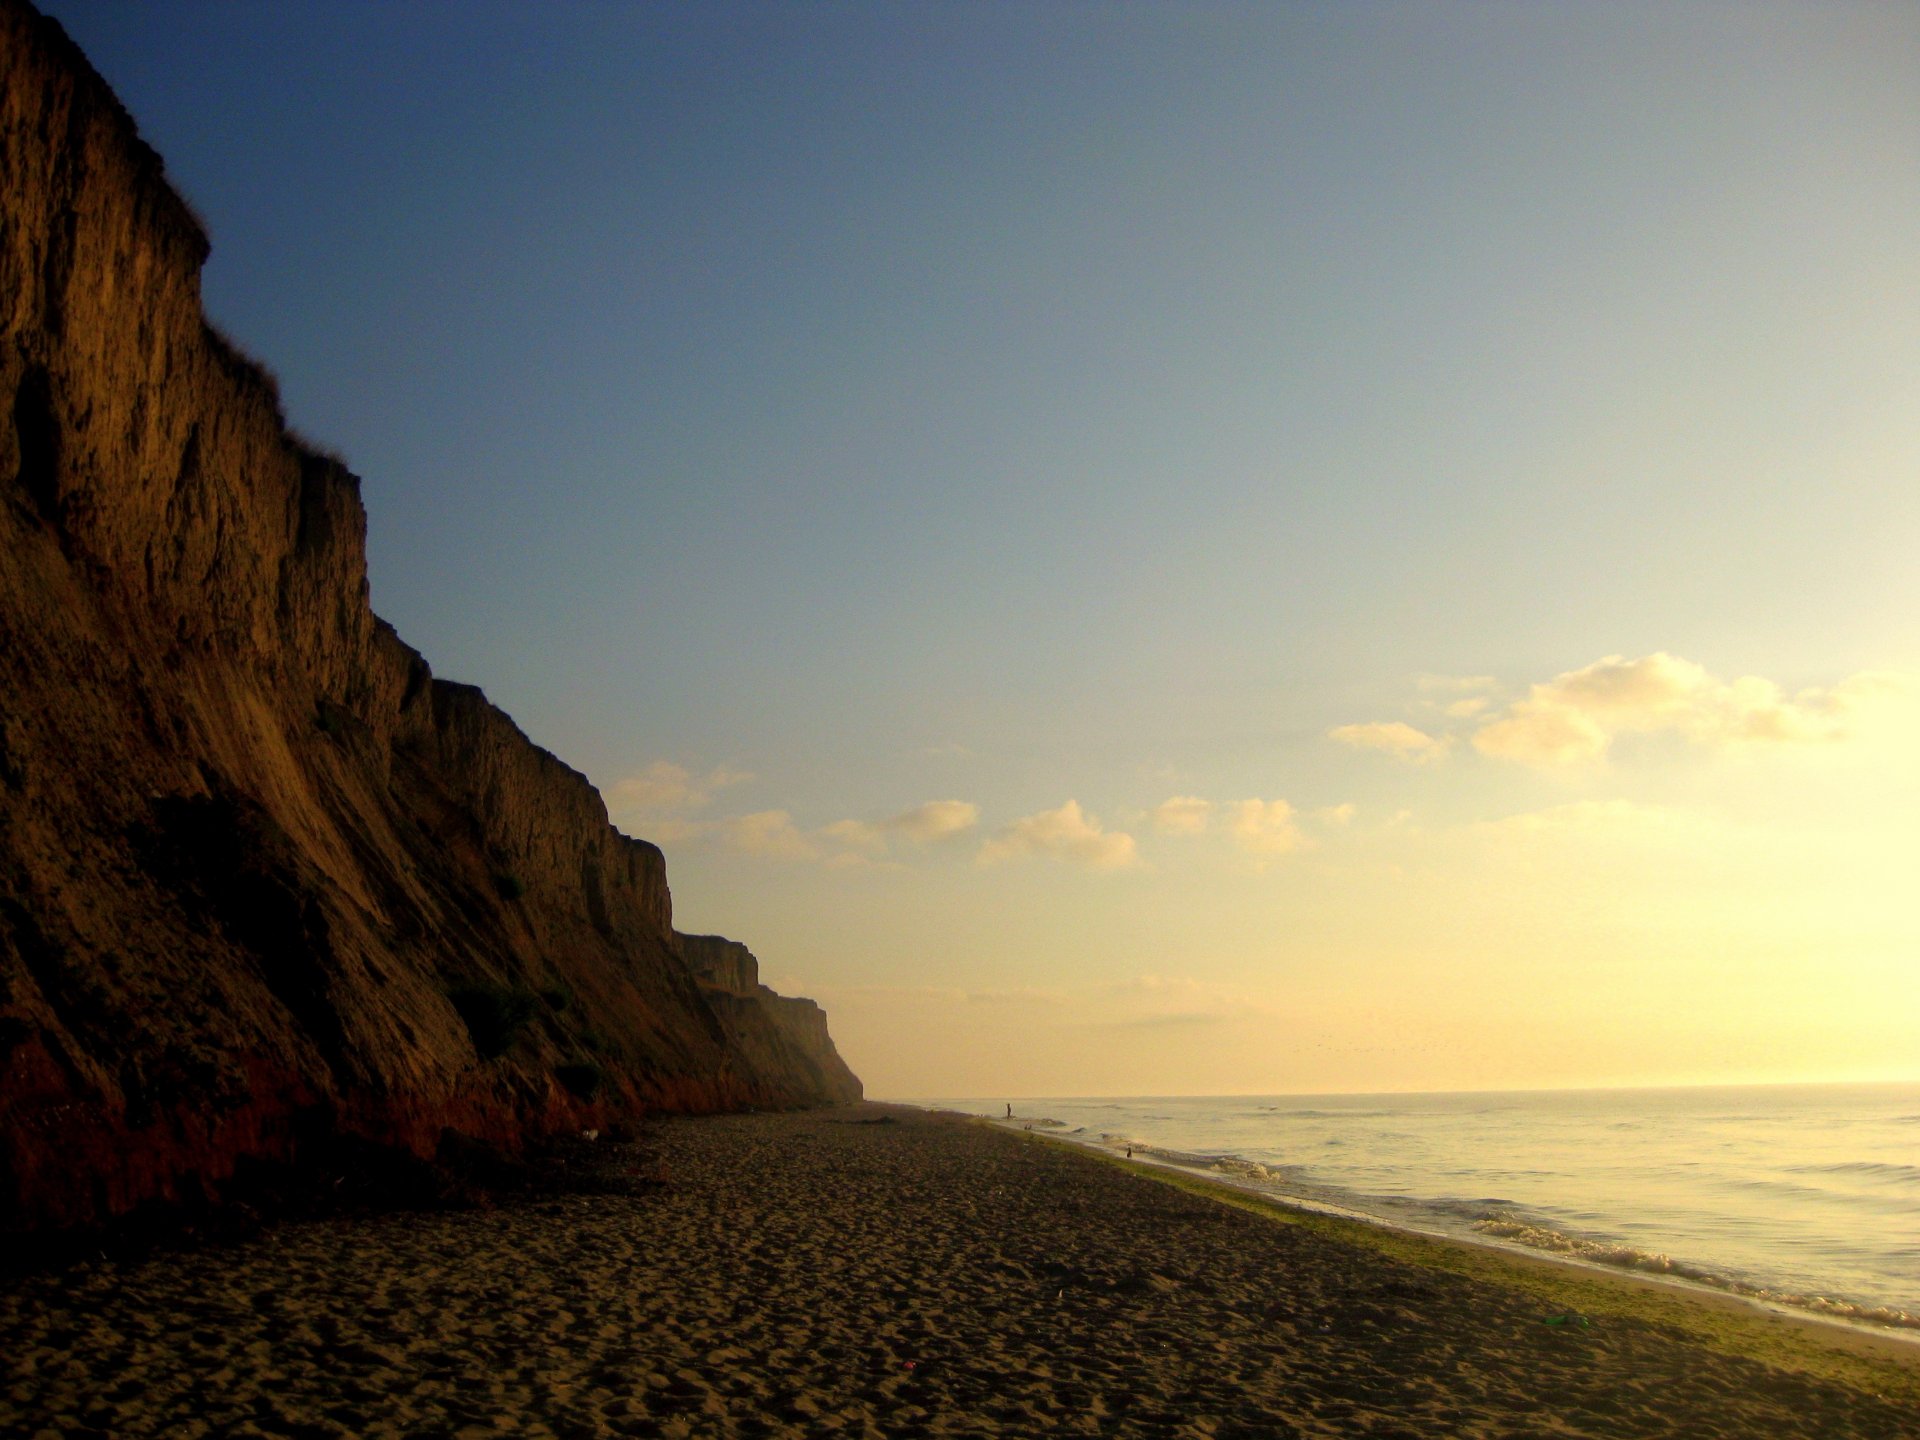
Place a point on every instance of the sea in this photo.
(1802, 1197)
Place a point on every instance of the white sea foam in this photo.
(1625, 1257)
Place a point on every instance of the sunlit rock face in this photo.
(771, 1031)
(264, 880)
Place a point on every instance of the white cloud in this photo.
(1186, 1020)
(1037, 996)
(856, 835)
(1024, 995)
(770, 833)
(1063, 834)
(774, 834)
(1335, 814)
(935, 820)
(1576, 716)
(1167, 1001)
(1544, 734)
(927, 824)
(664, 786)
(1182, 815)
(1155, 984)
(1395, 737)
(1267, 827)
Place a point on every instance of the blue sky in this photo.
(822, 411)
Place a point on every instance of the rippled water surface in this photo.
(1804, 1193)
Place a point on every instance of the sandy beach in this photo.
(874, 1271)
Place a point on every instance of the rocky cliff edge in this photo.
(264, 880)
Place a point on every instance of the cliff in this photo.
(770, 1031)
(264, 879)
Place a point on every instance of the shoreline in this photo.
(1899, 1342)
(1788, 1196)
(1896, 1345)
(879, 1271)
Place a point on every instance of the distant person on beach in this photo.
(1009, 1110)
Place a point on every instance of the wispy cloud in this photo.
(1395, 737)
(1066, 834)
(857, 836)
(1186, 1020)
(1575, 717)
(769, 833)
(1017, 995)
(1267, 828)
(934, 821)
(1169, 1002)
(1036, 996)
(776, 835)
(664, 787)
(926, 824)
(1181, 815)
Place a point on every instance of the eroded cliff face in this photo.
(770, 1031)
(263, 878)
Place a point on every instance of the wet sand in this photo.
(816, 1275)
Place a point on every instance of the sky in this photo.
(1147, 549)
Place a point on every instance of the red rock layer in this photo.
(262, 877)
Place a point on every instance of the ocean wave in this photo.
(1626, 1257)
(1335, 1114)
(1784, 1190)
(1874, 1169)
(1744, 1117)
(1237, 1166)
(1600, 1252)
(1484, 1209)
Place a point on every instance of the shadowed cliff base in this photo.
(339, 1177)
(268, 887)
